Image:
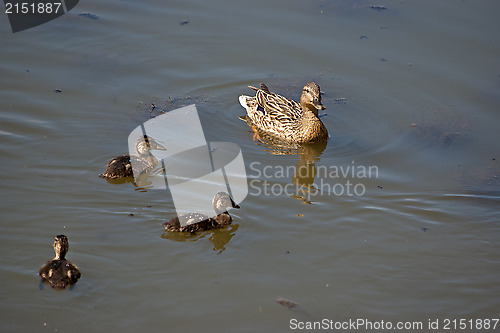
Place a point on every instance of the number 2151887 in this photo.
(470, 324)
(33, 8)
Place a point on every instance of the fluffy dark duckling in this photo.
(60, 273)
(220, 202)
(144, 161)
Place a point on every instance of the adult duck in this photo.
(284, 118)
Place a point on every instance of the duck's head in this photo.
(61, 247)
(311, 97)
(147, 143)
(222, 201)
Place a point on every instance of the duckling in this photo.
(284, 118)
(59, 272)
(220, 202)
(144, 161)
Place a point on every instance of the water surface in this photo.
(412, 90)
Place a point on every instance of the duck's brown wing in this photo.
(277, 107)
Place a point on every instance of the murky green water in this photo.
(412, 90)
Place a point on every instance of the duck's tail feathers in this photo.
(262, 87)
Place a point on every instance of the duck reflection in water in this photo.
(218, 237)
(305, 170)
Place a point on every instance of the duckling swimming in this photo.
(59, 272)
(220, 202)
(144, 161)
(284, 118)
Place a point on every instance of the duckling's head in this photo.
(222, 201)
(147, 143)
(61, 247)
(311, 97)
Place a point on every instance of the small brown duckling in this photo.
(220, 202)
(60, 273)
(144, 161)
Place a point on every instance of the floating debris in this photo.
(184, 22)
(286, 303)
(89, 15)
(378, 7)
(363, 37)
(58, 91)
(424, 229)
(383, 59)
